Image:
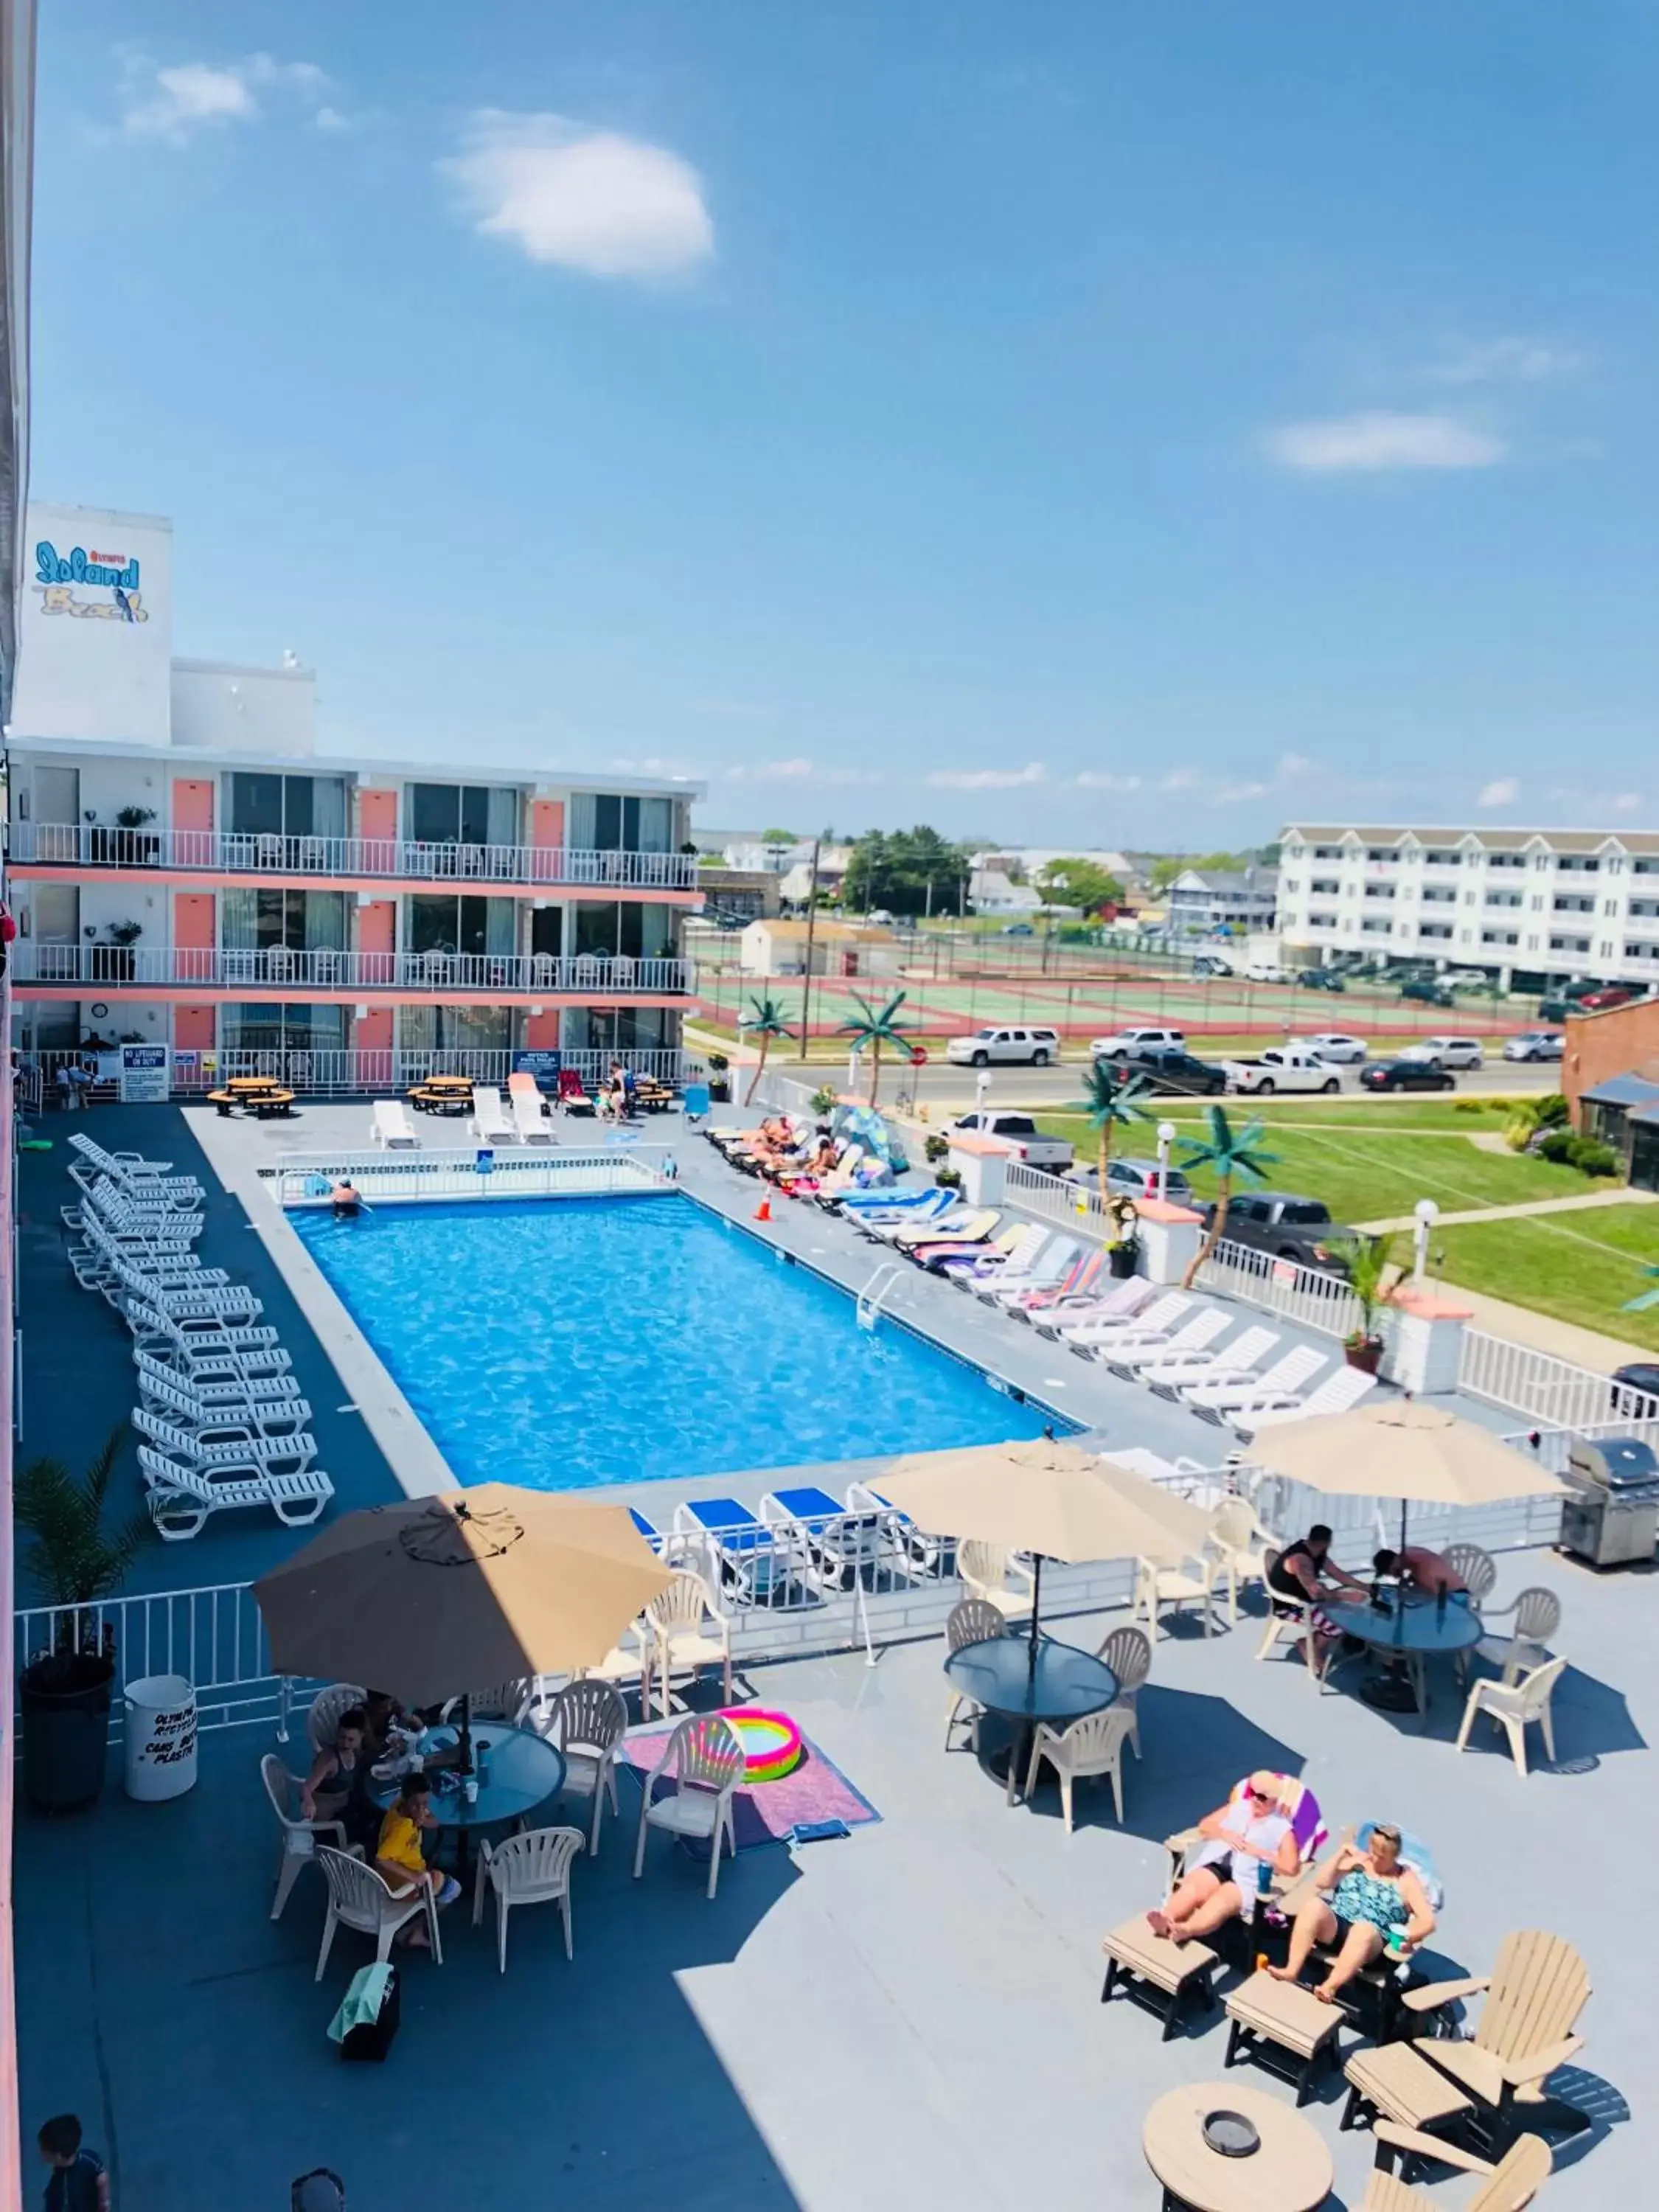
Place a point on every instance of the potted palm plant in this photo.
(74, 1561)
(720, 1083)
(1368, 1259)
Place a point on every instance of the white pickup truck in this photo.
(1021, 1132)
(1282, 1067)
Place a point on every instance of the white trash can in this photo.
(161, 1724)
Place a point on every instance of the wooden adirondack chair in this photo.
(1533, 1996)
(1509, 2187)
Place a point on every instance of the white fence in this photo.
(1052, 1198)
(324, 967)
(1550, 1446)
(324, 1074)
(80, 844)
(1311, 1296)
(1551, 1392)
(302, 1179)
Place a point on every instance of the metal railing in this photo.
(329, 1074)
(1310, 1297)
(85, 844)
(324, 968)
(1553, 1393)
(1550, 1446)
(301, 1179)
(1052, 1198)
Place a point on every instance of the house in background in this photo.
(839, 948)
(1213, 902)
(1610, 1080)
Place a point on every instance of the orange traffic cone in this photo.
(763, 1211)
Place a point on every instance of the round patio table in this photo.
(1291, 2171)
(1057, 1683)
(524, 1770)
(1411, 1632)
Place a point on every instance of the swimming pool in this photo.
(569, 1343)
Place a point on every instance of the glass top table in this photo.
(1412, 1630)
(1059, 1682)
(524, 1770)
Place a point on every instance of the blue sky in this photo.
(1139, 424)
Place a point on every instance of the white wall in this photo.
(93, 658)
(257, 710)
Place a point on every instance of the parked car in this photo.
(1533, 1044)
(1322, 979)
(1016, 929)
(1597, 1002)
(1467, 979)
(1407, 1075)
(1137, 1044)
(1180, 1073)
(1020, 1131)
(1265, 971)
(1286, 1224)
(1633, 1386)
(1210, 963)
(1426, 990)
(1448, 1051)
(1136, 1179)
(1336, 1047)
(999, 1047)
(1282, 1067)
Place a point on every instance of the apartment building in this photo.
(188, 870)
(1530, 907)
(1216, 902)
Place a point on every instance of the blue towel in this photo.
(361, 2005)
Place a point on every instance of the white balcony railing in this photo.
(1313, 1296)
(87, 844)
(369, 1073)
(1552, 1393)
(180, 967)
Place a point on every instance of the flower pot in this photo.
(1121, 1259)
(1366, 1355)
(64, 1700)
(719, 1090)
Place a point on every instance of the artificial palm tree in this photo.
(70, 1558)
(1231, 1152)
(873, 1029)
(766, 1021)
(1111, 1104)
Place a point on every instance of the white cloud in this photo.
(1100, 779)
(1507, 360)
(987, 778)
(1179, 779)
(1350, 443)
(1235, 794)
(581, 198)
(1295, 764)
(1502, 790)
(801, 770)
(1627, 802)
(175, 103)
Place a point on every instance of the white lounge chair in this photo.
(234, 1306)
(181, 1497)
(1215, 1401)
(268, 1418)
(204, 1351)
(226, 1443)
(1202, 1329)
(530, 1123)
(1011, 1261)
(1160, 1315)
(1051, 1266)
(1339, 1392)
(1237, 1362)
(168, 1387)
(393, 1130)
(1122, 1302)
(491, 1123)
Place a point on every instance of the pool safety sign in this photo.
(145, 1080)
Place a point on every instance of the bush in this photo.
(1557, 1144)
(948, 1179)
(937, 1149)
(824, 1099)
(1551, 1111)
(1469, 1106)
(1593, 1157)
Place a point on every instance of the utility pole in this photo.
(812, 928)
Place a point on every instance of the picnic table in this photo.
(442, 1094)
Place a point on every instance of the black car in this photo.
(1635, 1387)
(1286, 1224)
(1407, 1075)
(1426, 991)
(1179, 1073)
(1322, 979)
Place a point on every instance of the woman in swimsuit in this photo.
(1240, 1838)
(1371, 1893)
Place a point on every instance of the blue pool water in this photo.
(571, 1343)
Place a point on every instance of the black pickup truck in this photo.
(1290, 1227)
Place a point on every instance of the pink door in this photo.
(193, 1028)
(547, 840)
(377, 825)
(377, 924)
(192, 821)
(193, 938)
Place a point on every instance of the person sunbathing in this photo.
(1248, 1833)
(1362, 1901)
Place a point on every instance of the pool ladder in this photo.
(870, 1297)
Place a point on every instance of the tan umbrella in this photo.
(1401, 1448)
(444, 1594)
(1054, 1500)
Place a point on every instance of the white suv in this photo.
(1005, 1048)
(1446, 1051)
(1138, 1044)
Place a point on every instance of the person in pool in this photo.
(346, 1199)
(1360, 1898)
(1247, 1832)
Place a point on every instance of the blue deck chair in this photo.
(694, 1102)
(903, 1205)
(843, 1543)
(752, 1567)
(652, 1534)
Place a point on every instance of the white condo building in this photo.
(1529, 906)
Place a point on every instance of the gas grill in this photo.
(1612, 1511)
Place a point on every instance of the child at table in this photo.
(399, 1857)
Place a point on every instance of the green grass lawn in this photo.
(1579, 1267)
(1420, 1114)
(1364, 1172)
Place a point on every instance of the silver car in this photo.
(1336, 1047)
(1533, 1044)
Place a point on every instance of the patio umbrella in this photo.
(1053, 1500)
(1404, 1449)
(443, 1594)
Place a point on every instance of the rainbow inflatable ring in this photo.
(771, 1742)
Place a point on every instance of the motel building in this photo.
(186, 871)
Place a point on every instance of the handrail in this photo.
(324, 967)
(868, 1309)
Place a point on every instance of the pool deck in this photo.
(906, 2018)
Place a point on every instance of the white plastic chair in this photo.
(1128, 1653)
(1157, 1587)
(1475, 1569)
(323, 1720)
(706, 1761)
(1288, 1619)
(678, 1619)
(1093, 1745)
(1537, 1615)
(1515, 1707)
(973, 1621)
(587, 1720)
(627, 1665)
(1240, 1544)
(989, 1571)
(360, 1897)
(501, 1701)
(300, 1836)
(533, 1869)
